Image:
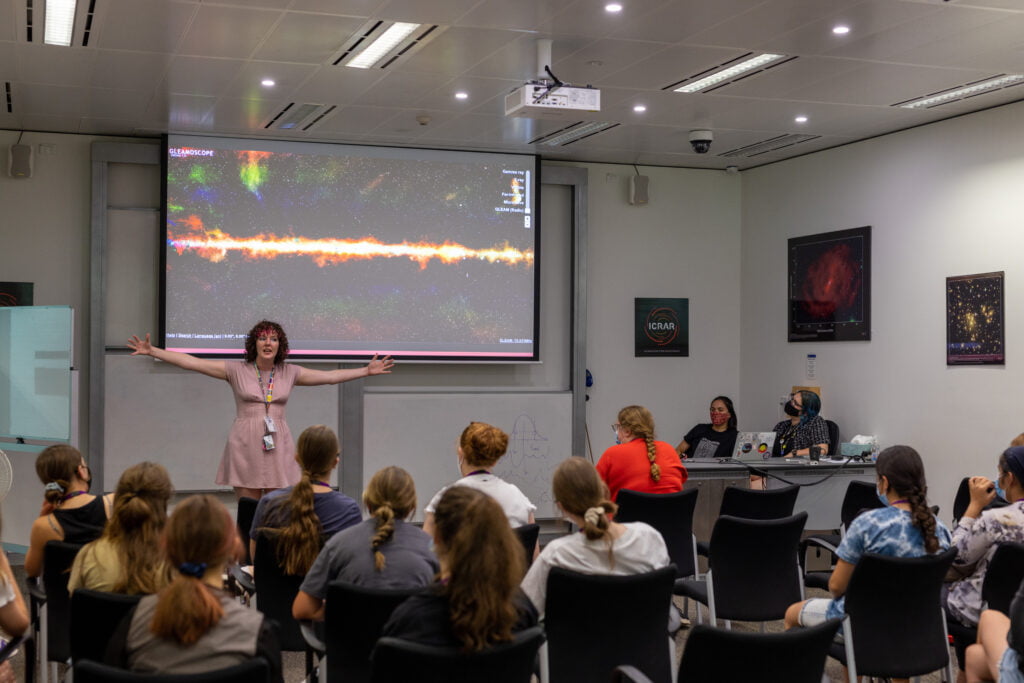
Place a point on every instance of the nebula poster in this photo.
(974, 320)
(830, 286)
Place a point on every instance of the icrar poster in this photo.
(662, 327)
(975, 334)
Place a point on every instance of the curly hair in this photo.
(482, 444)
(265, 326)
(638, 421)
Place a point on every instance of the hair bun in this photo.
(593, 515)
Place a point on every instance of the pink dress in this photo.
(244, 462)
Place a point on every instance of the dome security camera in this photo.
(700, 140)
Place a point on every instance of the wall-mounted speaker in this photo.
(638, 189)
(19, 161)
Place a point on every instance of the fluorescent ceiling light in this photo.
(387, 41)
(578, 132)
(960, 93)
(60, 22)
(730, 73)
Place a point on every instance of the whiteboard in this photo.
(181, 419)
(418, 432)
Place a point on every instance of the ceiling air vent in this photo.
(7, 95)
(299, 116)
(574, 132)
(88, 23)
(769, 145)
(379, 44)
(29, 19)
(729, 72)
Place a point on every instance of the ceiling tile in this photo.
(227, 31)
(669, 66)
(884, 84)
(458, 50)
(247, 84)
(178, 110)
(55, 65)
(517, 59)
(132, 71)
(200, 75)
(521, 15)
(433, 12)
(309, 38)
(675, 21)
(146, 25)
(400, 89)
(337, 84)
(357, 120)
(484, 94)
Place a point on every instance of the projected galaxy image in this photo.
(353, 253)
(974, 320)
(830, 286)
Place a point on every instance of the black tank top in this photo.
(83, 524)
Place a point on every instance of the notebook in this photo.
(753, 446)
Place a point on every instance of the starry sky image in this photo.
(365, 298)
(974, 319)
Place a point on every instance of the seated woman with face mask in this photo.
(804, 427)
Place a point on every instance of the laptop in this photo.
(753, 446)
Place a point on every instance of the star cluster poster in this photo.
(830, 286)
(975, 334)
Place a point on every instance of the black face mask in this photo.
(791, 409)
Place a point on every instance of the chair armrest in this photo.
(629, 674)
(238, 578)
(817, 542)
(36, 592)
(308, 630)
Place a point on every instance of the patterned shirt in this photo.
(885, 531)
(976, 540)
(790, 437)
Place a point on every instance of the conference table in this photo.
(822, 486)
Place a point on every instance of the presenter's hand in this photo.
(140, 347)
(378, 366)
(983, 491)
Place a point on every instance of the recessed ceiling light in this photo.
(60, 22)
(462, 95)
(840, 30)
(730, 73)
(376, 50)
(959, 93)
(801, 119)
(613, 7)
(639, 108)
(268, 82)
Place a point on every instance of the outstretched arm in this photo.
(376, 366)
(213, 368)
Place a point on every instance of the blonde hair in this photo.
(390, 495)
(639, 422)
(483, 444)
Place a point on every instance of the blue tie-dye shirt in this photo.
(885, 531)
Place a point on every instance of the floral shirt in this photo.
(975, 539)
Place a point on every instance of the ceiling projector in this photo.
(551, 101)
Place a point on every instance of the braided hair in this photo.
(639, 422)
(390, 495)
(904, 470)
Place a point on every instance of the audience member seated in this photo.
(638, 462)
(905, 527)
(14, 618)
(70, 513)
(476, 601)
(714, 440)
(804, 427)
(604, 546)
(303, 516)
(127, 557)
(479, 448)
(193, 625)
(979, 531)
(999, 653)
(385, 551)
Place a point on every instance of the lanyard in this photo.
(266, 393)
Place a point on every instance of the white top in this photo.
(6, 591)
(516, 505)
(638, 550)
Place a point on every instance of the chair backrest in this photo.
(399, 661)
(528, 534)
(963, 499)
(353, 621)
(671, 514)
(58, 557)
(595, 622)
(1003, 576)
(794, 656)
(896, 619)
(758, 504)
(246, 513)
(833, 438)
(94, 616)
(276, 591)
(255, 670)
(755, 573)
(860, 495)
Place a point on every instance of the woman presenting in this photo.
(260, 454)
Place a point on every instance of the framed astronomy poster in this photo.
(975, 334)
(661, 327)
(830, 286)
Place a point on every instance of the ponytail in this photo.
(385, 530)
(300, 537)
(581, 492)
(202, 610)
(389, 495)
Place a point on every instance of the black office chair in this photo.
(51, 610)
(94, 616)
(255, 670)
(963, 499)
(895, 626)
(860, 496)
(1003, 576)
(528, 534)
(753, 570)
(595, 622)
(400, 661)
(672, 515)
(723, 656)
(833, 438)
(755, 504)
(275, 593)
(349, 641)
(246, 513)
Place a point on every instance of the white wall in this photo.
(942, 200)
(684, 243)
